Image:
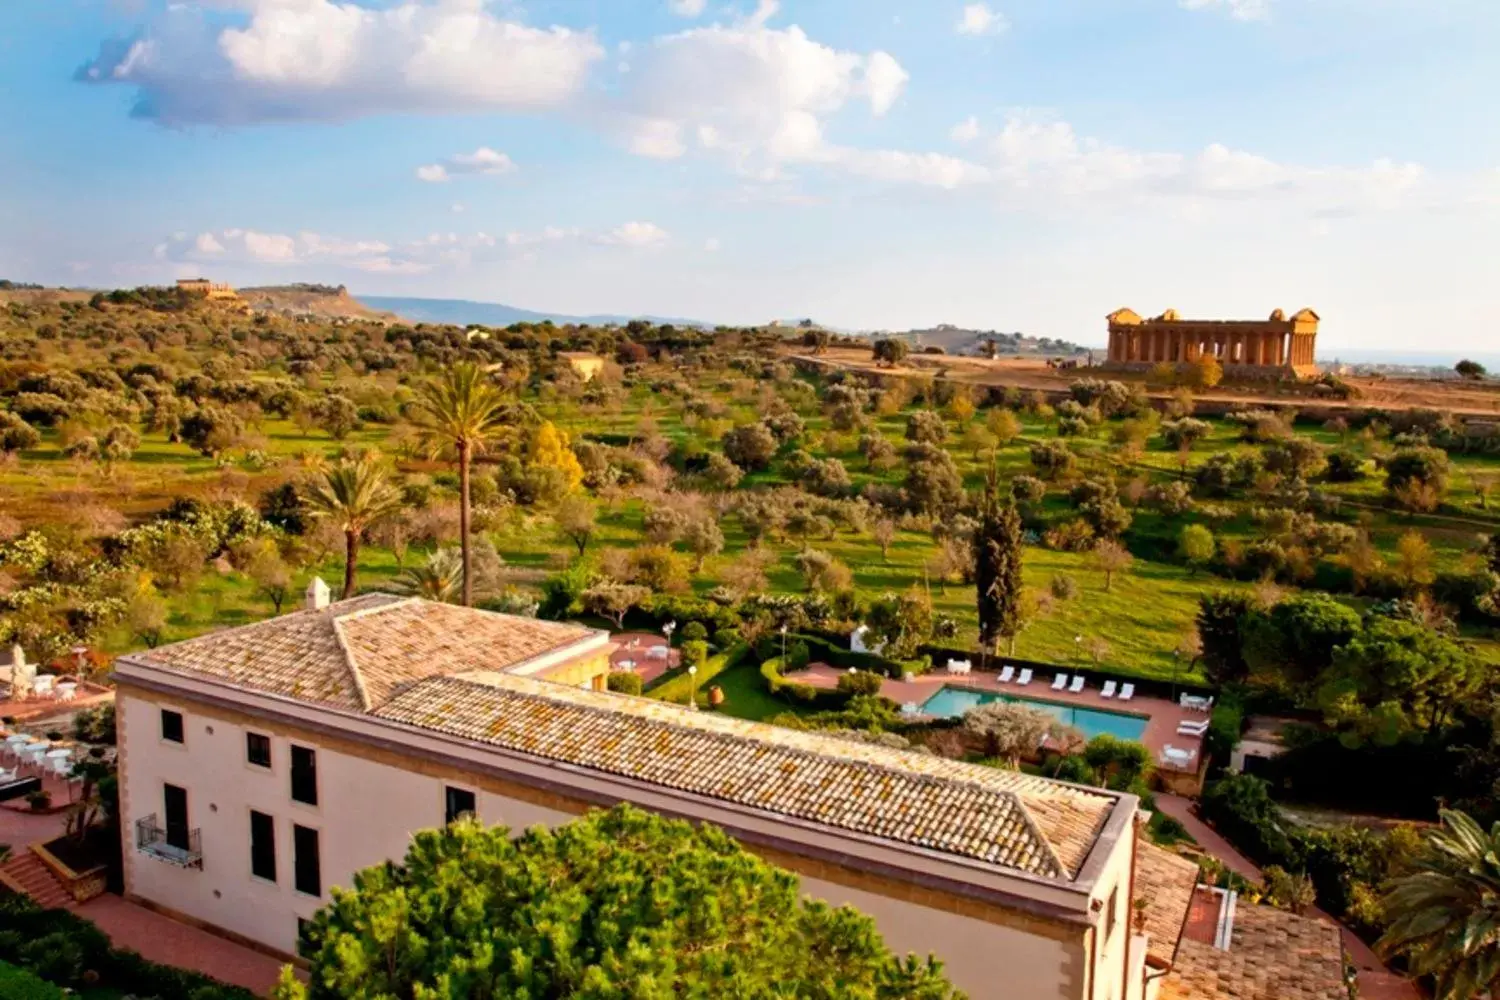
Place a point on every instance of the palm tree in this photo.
(1445, 915)
(356, 496)
(440, 578)
(462, 411)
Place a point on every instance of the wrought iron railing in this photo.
(185, 850)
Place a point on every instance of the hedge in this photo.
(67, 950)
(677, 685)
(796, 692)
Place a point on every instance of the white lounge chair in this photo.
(1025, 676)
(1007, 675)
(1108, 690)
(911, 708)
(1127, 691)
(1192, 728)
(1077, 686)
(1059, 682)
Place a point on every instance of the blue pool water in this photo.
(1091, 722)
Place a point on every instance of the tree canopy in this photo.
(619, 904)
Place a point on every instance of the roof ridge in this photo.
(531, 688)
(365, 702)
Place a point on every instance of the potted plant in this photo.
(715, 696)
(39, 800)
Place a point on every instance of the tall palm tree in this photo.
(356, 495)
(1445, 914)
(461, 411)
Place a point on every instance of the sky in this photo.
(873, 164)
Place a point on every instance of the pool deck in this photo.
(1162, 716)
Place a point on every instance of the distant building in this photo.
(1274, 347)
(585, 364)
(206, 288)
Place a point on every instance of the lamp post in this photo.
(783, 646)
(668, 629)
(692, 689)
(1078, 647)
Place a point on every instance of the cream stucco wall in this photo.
(366, 813)
(987, 961)
(1113, 978)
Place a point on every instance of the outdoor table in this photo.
(67, 690)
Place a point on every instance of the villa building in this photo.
(1277, 347)
(262, 765)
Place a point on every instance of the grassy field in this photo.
(1142, 617)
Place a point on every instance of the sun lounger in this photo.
(1059, 682)
(1192, 728)
(1108, 690)
(1007, 674)
(1077, 686)
(911, 708)
(1127, 691)
(1025, 677)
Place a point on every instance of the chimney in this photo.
(317, 595)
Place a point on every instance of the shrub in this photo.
(624, 682)
(1063, 587)
(860, 683)
(694, 630)
(694, 652)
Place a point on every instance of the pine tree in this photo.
(997, 570)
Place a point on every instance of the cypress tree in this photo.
(997, 570)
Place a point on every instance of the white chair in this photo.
(7, 775)
(1025, 677)
(1192, 728)
(42, 685)
(1108, 690)
(59, 762)
(1077, 686)
(1007, 675)
(1127, 691)
(67, 690)
(911, 708)
(1059, 681)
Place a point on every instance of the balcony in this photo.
(183, 848)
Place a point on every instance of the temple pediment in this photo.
(1124, 317)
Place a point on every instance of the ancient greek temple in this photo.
(1278, 347)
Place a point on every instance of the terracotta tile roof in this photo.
(355, 654)
(1004, 818)
(1165, 881)
(1273, 955)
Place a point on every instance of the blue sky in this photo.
(1017, 164)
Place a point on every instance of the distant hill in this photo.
(323, 301)
(463, 312)
(959, 340)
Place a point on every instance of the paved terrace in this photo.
(1162, 716)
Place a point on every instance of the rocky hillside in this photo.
(301, 299)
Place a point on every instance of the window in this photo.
(262, 846)
(171, 726)
(304, 775)
(308, 876)
(174, 801)
(258, 749)
(458, 802)
(1109, 914)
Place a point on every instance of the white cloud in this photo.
(930, 169)
(687, 8)
(1240, 10)
(484, 161)
(1039, 158)
(711, 245)
(980, 19)
(759, 96)
(327, 60)
(965, 131)
(207, 244)
(636, 234)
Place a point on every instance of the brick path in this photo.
(1376, 982)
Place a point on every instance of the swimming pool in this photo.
(1091, 722)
